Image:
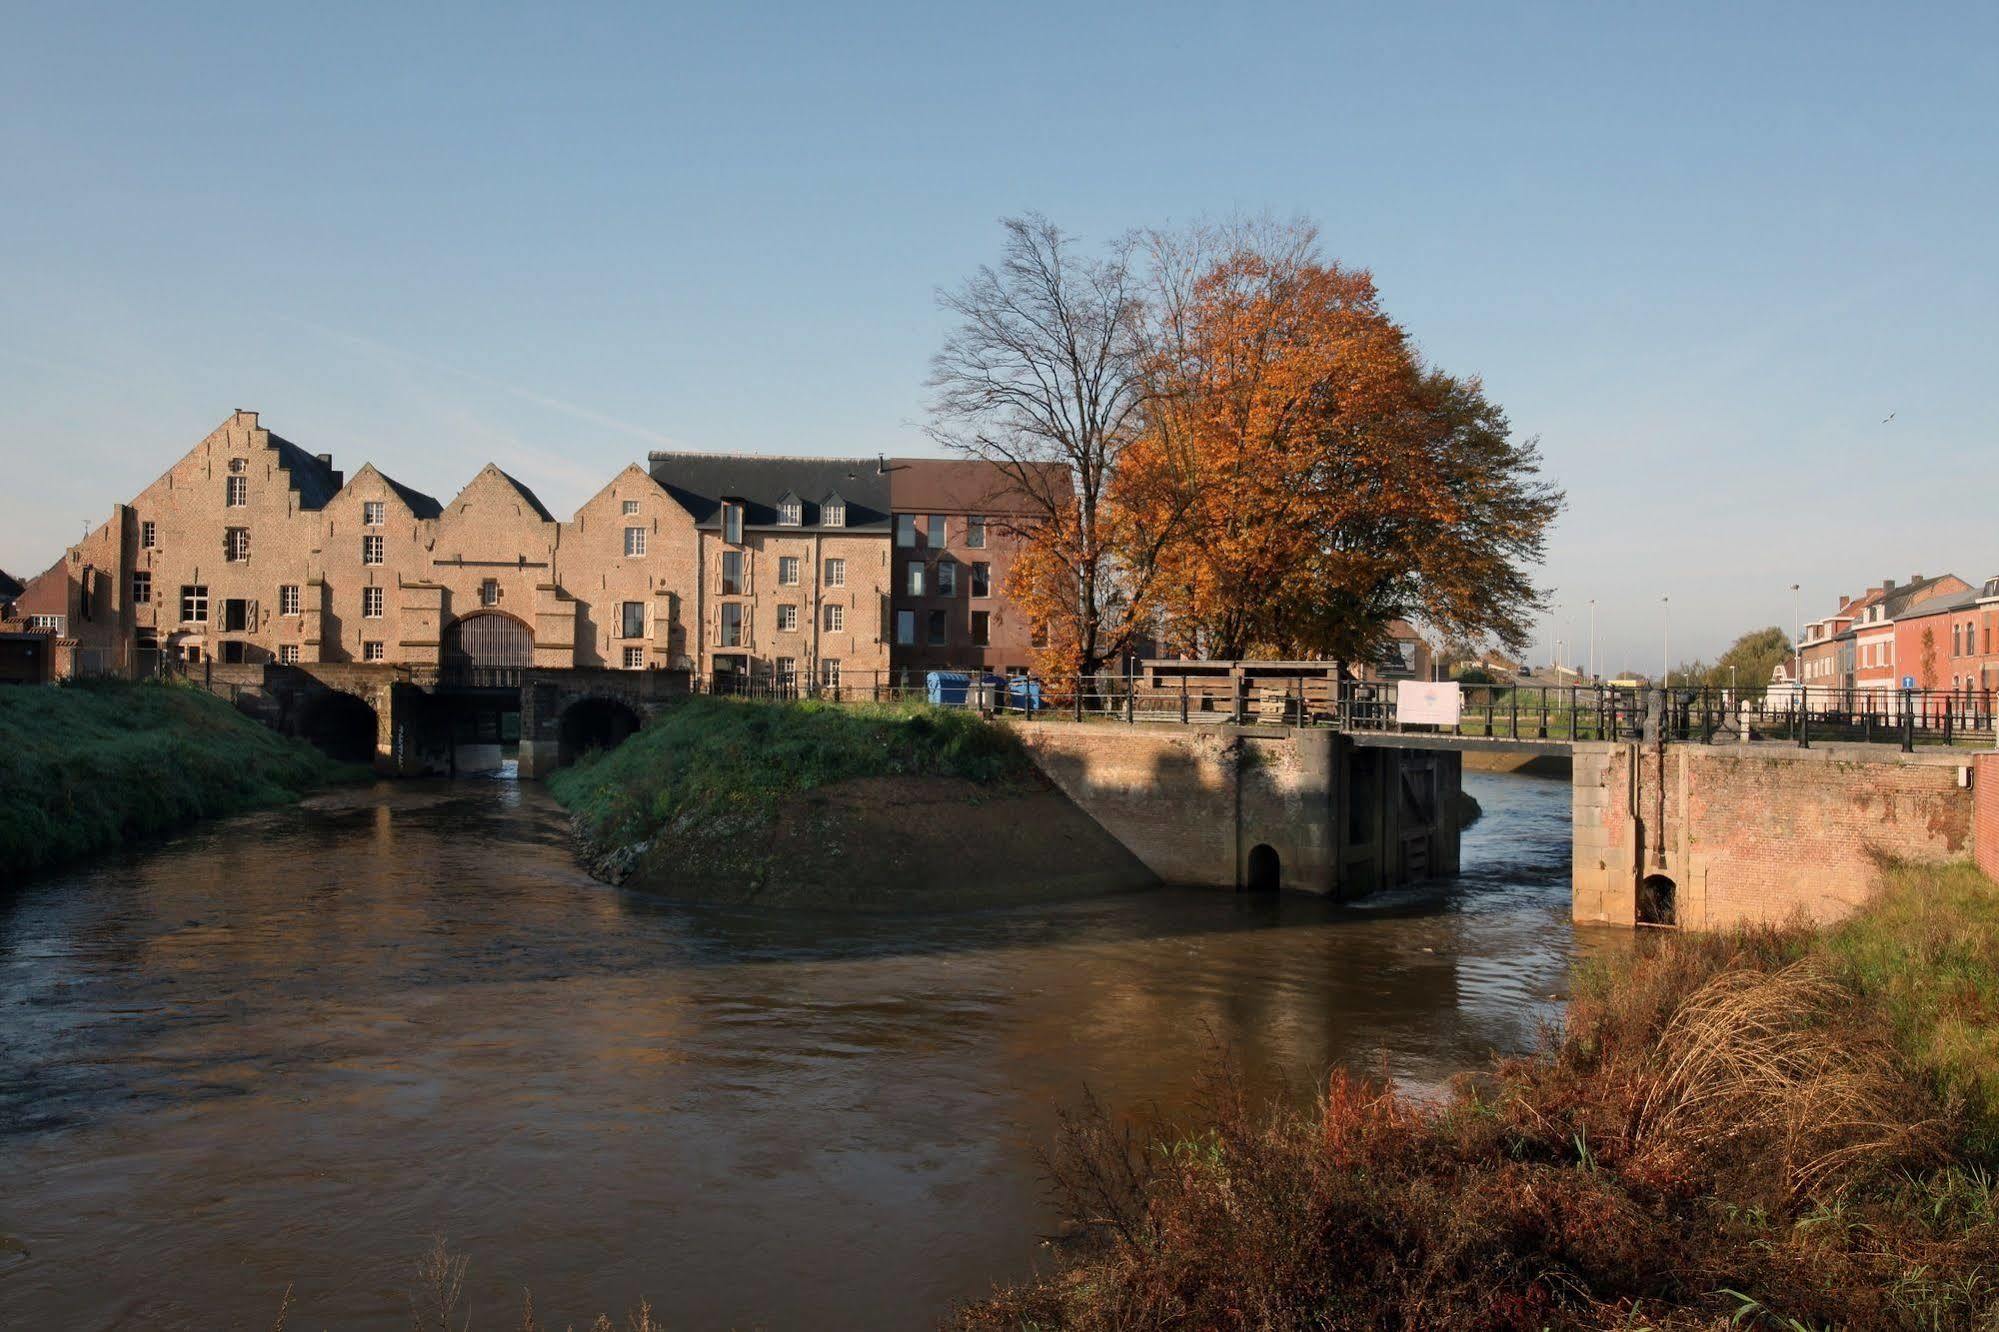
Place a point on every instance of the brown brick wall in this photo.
(1758, 835)
(1985, 812)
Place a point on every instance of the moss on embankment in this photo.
(89, 766)
(816, 805)
(1793, 1128)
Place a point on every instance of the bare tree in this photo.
(1045, 379)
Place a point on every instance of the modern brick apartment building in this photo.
(751, 569)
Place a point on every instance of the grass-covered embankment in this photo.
(817, 804)
(1786, 1129)
(89, 766)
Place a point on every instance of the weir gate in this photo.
(1689, 810)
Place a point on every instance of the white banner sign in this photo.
(1427, 703)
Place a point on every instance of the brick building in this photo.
(956, 526)
(753, 570)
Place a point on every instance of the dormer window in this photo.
(833, 513)
(790, 512)
(732, 522)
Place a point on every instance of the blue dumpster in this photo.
(1023, 694)
(945, 688)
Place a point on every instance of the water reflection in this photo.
(289, 1047)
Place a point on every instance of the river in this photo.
(288, 1048)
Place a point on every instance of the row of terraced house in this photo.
(783, 571)
(1932, 637)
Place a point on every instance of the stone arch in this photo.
(594, 721)
(487, 646)
(1264, 871)
(1658, 902)
(340, 725)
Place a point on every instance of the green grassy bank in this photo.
(89, 766)
(1780, 1128)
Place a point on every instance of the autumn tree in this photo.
(1315, 480)
(1044, 378)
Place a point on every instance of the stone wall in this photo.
(1196, 802)
(1748, 834)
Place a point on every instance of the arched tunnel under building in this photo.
(595, 723)
(340, 726)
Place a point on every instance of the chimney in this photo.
(1915, 578)
(1887, 585)
(325, 459)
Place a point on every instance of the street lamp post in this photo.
(1592, 640)
(1666, 642)
(1797, 646)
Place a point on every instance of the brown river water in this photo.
(289, 1048)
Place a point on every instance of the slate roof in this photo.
(316, 481)
(422, 505)
(10, 587)
(699, 482)
(1910, 595)
(1942, 605)
(534, 500)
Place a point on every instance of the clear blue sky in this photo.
(1701, 254)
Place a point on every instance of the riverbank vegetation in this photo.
(813, 805)
(1791, 1129)
(94, 764)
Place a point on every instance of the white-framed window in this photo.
(940, 531)
(288, 654)
(149, 535)
(631, 619)
(142, 587)
(371, 549)
(975, 532)
(372, 651)
(787, 672)
(829, 672)
(236, 544)
(833, 513)
(732, 523)
(374, 513)
(194, 603)
(836, 573)
(52, 623)
(947, 578)
(489, 592)
(787, 619)
(905, 529)
(288, 599)
(787, 571)
(630, 508)
(982, 579)
(836, 619)
(237, 464)
(236, 491)
(635, 541)
(732, 624)
(905, 628)
(790, 513)
(915, 577)
(371, 603)
(635, 658)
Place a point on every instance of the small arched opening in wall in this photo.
(1658, 902)
(1263, 871)
(595, 723)
(340, 726)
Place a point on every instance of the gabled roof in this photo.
(1940, 605)
(527, 497)
(971, 485)
(699, 482)
(1897, 601)
(422, 505)
(314, 478)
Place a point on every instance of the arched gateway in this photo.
(487, 649)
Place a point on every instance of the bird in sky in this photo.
(1886, 419)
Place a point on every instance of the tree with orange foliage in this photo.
(1319, 482)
